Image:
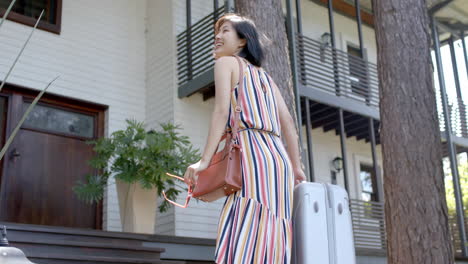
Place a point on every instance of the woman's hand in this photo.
(191, 174)
(299, 176)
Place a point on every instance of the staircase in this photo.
(59, 245)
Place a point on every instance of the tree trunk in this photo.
(269, 19)
(415, 206)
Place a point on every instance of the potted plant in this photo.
(138, 160)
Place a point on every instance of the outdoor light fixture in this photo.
(325, 39)
(337, 164)
(324, 43)
(10, 255)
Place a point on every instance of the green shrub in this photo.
(135, 155)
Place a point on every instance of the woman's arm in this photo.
(289, 132)
(223, 70)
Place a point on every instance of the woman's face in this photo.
(227, 42)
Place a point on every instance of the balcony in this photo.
(194, 56)
(334, 77)
(457, 112)
(368, 227)
(453, 225)
(368, 221)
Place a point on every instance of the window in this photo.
(358, 72)
(58, 121)
(27, 12)
(369, 191)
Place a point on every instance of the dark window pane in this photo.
(59, 121)
(33, 8)
(358, 71)
(368, 183)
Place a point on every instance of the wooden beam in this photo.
(349, 10)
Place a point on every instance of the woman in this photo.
(255, 223)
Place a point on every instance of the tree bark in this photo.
(268, 17)
(415, 206)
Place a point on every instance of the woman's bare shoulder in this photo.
(226, 61)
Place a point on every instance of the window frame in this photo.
(375, 188)
(93, 114)
(362, 88)
(30, 21)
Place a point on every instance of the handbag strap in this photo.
(238, 108)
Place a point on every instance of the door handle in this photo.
(14, 154)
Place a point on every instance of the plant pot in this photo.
(137, 207)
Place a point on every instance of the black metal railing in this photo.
(368, 225)
(336, 72)
(455, 232)
(368, 221)
(195, 47)
(458, 115)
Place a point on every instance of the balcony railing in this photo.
(455, 232)
(336, 72)
(368, 221)
(194, 47)
(368, 226)
(458, 117)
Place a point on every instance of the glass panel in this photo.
(366, 197)
(33, 8)
(366, 181)
(59, 121)
(358, 71)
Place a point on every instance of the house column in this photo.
(380, 196)
(293, 57)
(462, 34)
(228, 6)
(343, 148)
(359, 26)
(460, 103)
(188, 15)
(310, 159)
(455, 67)
(309, 141)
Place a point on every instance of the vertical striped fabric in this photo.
(255, 223)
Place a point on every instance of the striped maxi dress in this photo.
(255, 222)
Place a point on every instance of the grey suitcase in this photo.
(323, 231)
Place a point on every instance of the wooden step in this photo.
(26, 232)
(57, 258)
(44, 244)
(96, 246)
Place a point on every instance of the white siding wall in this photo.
(161, 81)
(315, 23)
(100, 57)
(200, 219)
(326, 146)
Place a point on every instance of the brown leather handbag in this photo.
(224, 174)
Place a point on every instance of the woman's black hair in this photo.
(246, 29)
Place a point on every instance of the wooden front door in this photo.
(48, 156)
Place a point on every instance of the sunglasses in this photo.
(189, 195)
